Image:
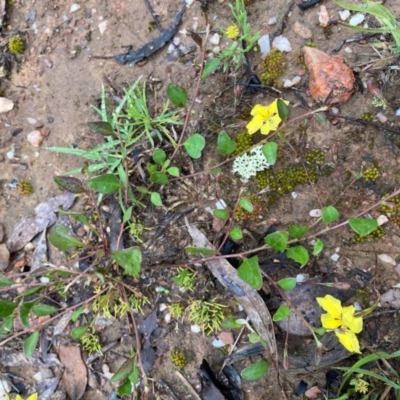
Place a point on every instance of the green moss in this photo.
(243, 142)
(178, 358)
(378, 233)
(24, 187)
(368, 116)
(272, 67)
(242, 215)
(16, 45)
(315, 156)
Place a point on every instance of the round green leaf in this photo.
(255, 371)
(194, 145)
(221, 214)
(236, 234)
(30, 343)
(318, 247)
(330, 214)
(159, 156)
(225, 144)
(269, 150)
(363, 226)
(155, 198)
(298, 254)
(210, 66)
(60, 238)
(287, 283)
(246, 204)
(105, 184)
(79, 331)
(277, 240)
(281, 313)
(250, 272)
(297, 231)
(177, 95)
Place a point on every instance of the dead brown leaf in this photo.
(75, 373)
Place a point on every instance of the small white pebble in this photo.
(301, 278)
(357, 306)
(214, 39)
(32, 121)
(195, 329)
(290, 83)
(195, 25)
(294, 195)
(356, 19)
(382, 219)
(272, 21)
(44, 279)
(282, 43)
(216, 49)
(316, 213)
(220, 204)
(240, 308)
(264, 44)
(167, 318)
(183, 32)
(218, 343)
(344, 14)
(102, 27)
(337, 249)
(348, 50)
(382, 117)
(386, 259)
(335, 257)
(37, 154)
(163, 307)
(189, 2)
(74, 7)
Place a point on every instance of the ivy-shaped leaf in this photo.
(298, 254)
(225, 144)
(194, 145)
(296, 231)
(129, 259)
(363, 226)
(330, 214)
(250, 272)
(277, 240)
(287, 283)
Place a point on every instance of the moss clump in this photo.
(16, 45)
(315, 156)
(178, 358)
(375, 235)
(300, 57)
(371, 174)
(24, 187)
(243, 142)
(243, 215)
(392, 207)
(272, 67)
(368, 116)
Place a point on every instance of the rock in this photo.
(344, 14)
(74, 7)
(4, 257)
(329, 76)
(282, 43)
(391, 298)
(290, 83)
(35, 138)
(214, 39)
(302, 31)
(323, 17)
(264, 44)
(1, 233)
(356, 19)
(6, 105)
(102, 26)
(386, 259)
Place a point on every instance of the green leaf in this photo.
(129, 259)
(318, 247)
(363, 226)
(281, 313)
(287, 283)
(255, 371)
(159, 177)
(277, 240)
(4, 282)
(236, 233)
(210, 66)
(320, 331)
(159, 156)
(230, 323)
(194, 145)
(283, 110)
(155, 198)
(60, 238)
(30, 343)
(126, 389)
(105, 184)
(102, 127)
(330, 214)
(40, 310)
(270, 150)
(124, 371)
(24, 313)
(254, 338)
(69, 183)
(177, 95)
(321, 118)
(221, 214)
(6, 326)
(76, 314)
(174, 171)
(250, 272)
(79, 331)
(298, 254)
(199, 250)
(297, 231)
(246, 204)
(225, 144)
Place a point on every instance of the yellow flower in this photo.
(265, 118)
(342, 321)
(232, 32)
(33, 396)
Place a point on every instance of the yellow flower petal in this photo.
(355, 324)
(331, 305)
(328, 322)
(255, 124)
(271, 124)
(348, 340)
(264, 111)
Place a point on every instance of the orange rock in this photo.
(328, 74)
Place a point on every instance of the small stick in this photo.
(188, 385)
